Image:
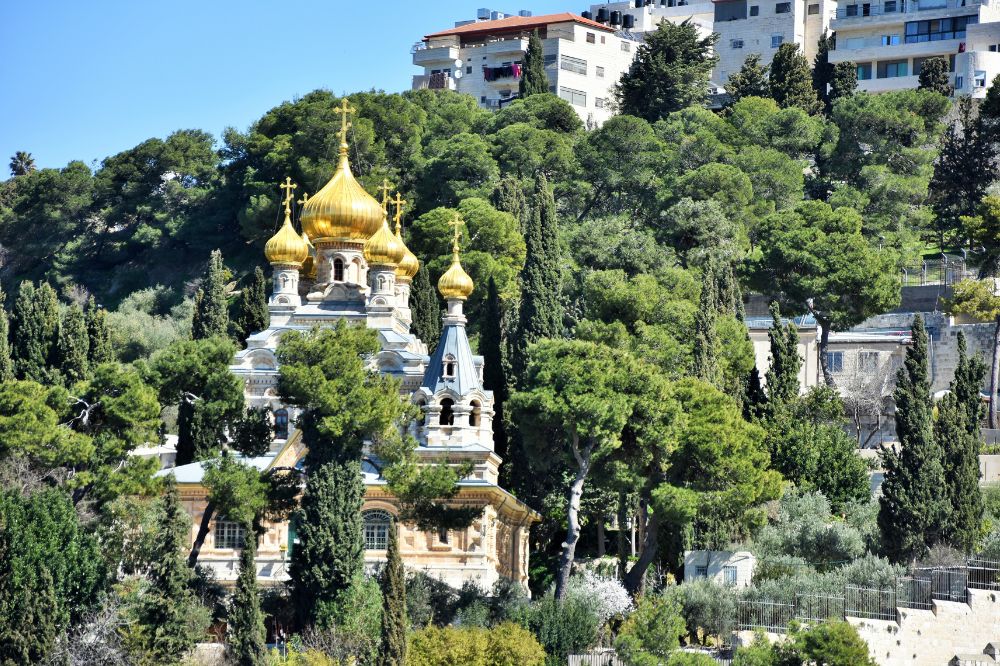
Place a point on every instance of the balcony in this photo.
(433, 82)
(899, 9)
(427, 57)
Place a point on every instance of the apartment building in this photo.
(890, 40)
(484, 58)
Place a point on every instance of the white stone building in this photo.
(484, 58)
(734, 568)
(890, 40)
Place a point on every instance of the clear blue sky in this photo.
(84, 79)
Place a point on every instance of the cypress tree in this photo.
(540, 315)
(844, 82)
(509, 198)
(783, 375)
(100, 349)
(533, 77)
(749, 81)
(393, 583)
(253, 316)
(730, 296)
(425, 308)
(6, 362)
(491, 345)
(754, 398)
(822, 72)
(211, 315)
(913, 505)
(704, 367)
(73, 345)
(957, 433)
(245, 640)
(790, 80)
(35, 327)
(934, 76)
(330, 552)
(164, 613)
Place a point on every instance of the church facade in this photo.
(346, 264)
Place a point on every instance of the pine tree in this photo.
(541, 312)
(509, 198)
(72, 345)
(934, 76)
(750, 81)
(254, 316)
(912, 508)
(245, 638)
(823, 70)
(211, 315)
(492, 343)
(844, 82)
(6, 361)
(966, 153)
(783, 375)
(791, 80)
(34, 330)
(533, 77)
(99, 348)
(425, 308)
(704, 367)
(165, 610)
(957, 433)
(393, 583)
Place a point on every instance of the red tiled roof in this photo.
(517, 23)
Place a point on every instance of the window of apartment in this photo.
(936, 30)
(599, 71)
(602, 39)
(701, 572)
(783, 8)
(812, 10)
(890, 40)
(626, 46)
(864, 9)
(889, 69)
(890, 7)
(591, 38)
(959, 82)
(835, 361)
(867, 361)
(228, 534)
(864, 71)
(549, 60)
(980, 80)
(468, 69)
(735, 43)
(599, 102)
(577, 97)
(776, 41)
(376, 529)
(571, 64)
(482, 99)
(754, 10)
(994, 48)
(729, 575)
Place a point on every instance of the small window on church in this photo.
(447, 413)
(376, 528)
(338, 270)
(281, 424)
(474, 417)
(449, 368)
(442, 535)
(228, 534)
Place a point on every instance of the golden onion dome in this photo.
(382, 249)
(286, 247)
(455, 283)
(342, 210)
(409, 264)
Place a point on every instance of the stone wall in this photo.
(933, 637)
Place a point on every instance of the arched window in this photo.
(477, 411)
(281, 424)
(376, 527)
(338, 270)
(447, 414)
(381, 283)
(448, 371)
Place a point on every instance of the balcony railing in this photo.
(891, 7)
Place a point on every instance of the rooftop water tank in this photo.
(587, 15)
(602, 15)
(628, 22)
(524, 12)
(616, 17)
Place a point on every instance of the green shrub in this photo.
(505, 645)
(691, 659)
(653, 631)
(563, 628)
(709, 608)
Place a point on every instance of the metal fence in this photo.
(917, 591)
(947, 270)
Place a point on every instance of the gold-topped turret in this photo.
(342, 210)
(309, 265)
(409, 264)
(455, 283)
(287, 248)
(383, 249)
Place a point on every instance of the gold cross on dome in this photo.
(385, 194)
(456, 222)
(398, 202)
(344, 109)
(304, 200)
(288, 186)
